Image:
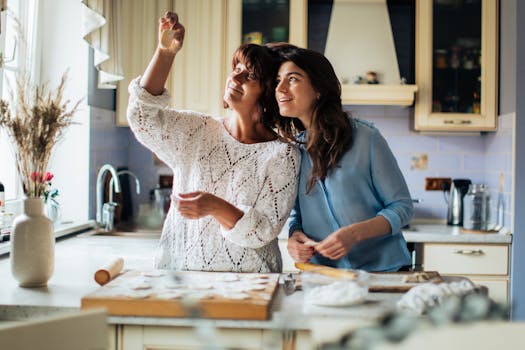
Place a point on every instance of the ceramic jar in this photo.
(32, 245)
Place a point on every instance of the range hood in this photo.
(360, 40)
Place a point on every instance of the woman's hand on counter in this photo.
(298, 250)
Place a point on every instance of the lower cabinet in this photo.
(112, 337)
(484, 264)
(206, 336)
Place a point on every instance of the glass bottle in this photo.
(476, 208)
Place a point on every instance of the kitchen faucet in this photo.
(101, 219)
(123, 172)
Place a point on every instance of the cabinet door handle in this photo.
(469, 251)
(457, 121)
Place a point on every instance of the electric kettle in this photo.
(458, 189)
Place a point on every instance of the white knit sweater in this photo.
(260, 179)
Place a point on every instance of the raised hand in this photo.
(171, 32)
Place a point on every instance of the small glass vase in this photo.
(52, 210)
(32, 245)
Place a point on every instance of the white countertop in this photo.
(78, 257)
(430, 233)
(64, 229)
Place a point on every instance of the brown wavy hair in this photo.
(330, 134)
(264, 64)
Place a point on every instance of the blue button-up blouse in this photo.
(367, 183)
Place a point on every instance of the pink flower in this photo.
(40, 177)
(35, 176)
(48, 177)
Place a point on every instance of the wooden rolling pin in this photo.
(325, 270)
(109, 271)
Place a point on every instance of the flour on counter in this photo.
(340, 293)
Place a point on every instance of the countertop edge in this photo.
(466, 238)
(60, 231)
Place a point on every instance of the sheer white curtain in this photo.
(123, 34)
(101, 20)
(21, 53)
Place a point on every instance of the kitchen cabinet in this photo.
(485, 264)
(133, 337)
(196, 81)
(201, 66)
(456, 65)
(214, 30)
(262, 21)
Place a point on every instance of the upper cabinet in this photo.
(196, 81)
(202, 64)
(456, 65)
(451, 43)
(262, 21)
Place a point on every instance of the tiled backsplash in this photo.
(480, 158)
(119, 147)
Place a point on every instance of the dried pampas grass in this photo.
(35, 124)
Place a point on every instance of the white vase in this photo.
(32, 245)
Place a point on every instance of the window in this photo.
(14, 53)
(8, 173)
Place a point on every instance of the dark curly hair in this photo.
(330, 134)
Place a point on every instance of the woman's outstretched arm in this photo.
(171, 38)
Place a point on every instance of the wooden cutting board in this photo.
(378, 282)
(160, 293)
(401, 282)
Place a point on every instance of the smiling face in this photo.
(242, 88)
(295, 93)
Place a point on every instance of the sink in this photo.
(127, 229)
(137, 233)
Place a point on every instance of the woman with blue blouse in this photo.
(352, 200)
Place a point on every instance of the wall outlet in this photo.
(437, 183)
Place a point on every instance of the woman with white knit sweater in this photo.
(235, 179)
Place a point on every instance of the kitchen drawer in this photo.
(185, 338)
(498, 288)
(466, 259)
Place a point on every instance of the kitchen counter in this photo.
(431, 233)
(61, 230)
(78, 257)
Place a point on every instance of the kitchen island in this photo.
(77, 258)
